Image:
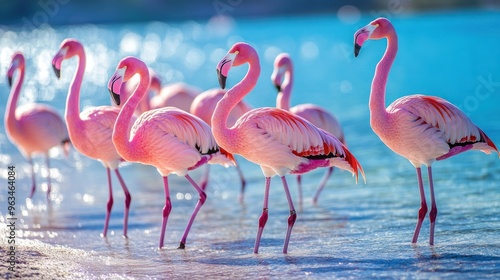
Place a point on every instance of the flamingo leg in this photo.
(291, 218)
(204, 177)
(166, 211)
(201, 201)
(33, 182)
(322, 184)
(423, 206)
(109, 205)
(49, 184)
(299, 188)
(263, 217)
(433, 213)
(128, 200)
(243, 183)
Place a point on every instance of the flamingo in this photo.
(33, 128)
(421, 128)
(203, 106)
(168, 138)
(282, 77)
(90, 131)
(179, 95)
(277, 140)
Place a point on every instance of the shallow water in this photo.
(355, 231)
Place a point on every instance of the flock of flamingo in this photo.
(181, 129)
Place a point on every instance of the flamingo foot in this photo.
(32, 192)
(201, 201)
(262, 224)
(166, 212)
(291, 221)
(432, 217)
(421, 215)
(109, 206)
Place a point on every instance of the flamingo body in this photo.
(427, 128)
(421, 128)
(181, 141)
(33, 128)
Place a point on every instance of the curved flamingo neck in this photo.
(283, 99)
(121, 132)
(72, 114)
(11, 122)
(378, 112)
(223, 134)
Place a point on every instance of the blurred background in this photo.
(95, 11)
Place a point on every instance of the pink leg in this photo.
(109, 205)
(201, 201)
(166, 211)
(128, 200)
(299, 188)
(434, 212)
(204, 177)
(322, 184)
(49, 184)
(243, 183)
(263, 217)
(33, 182)
(291, 218)
(423, 206)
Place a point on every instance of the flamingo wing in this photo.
(301, 137)
(436, 114)
(187, 128)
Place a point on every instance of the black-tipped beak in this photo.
(222, 79)
(116, 97)
(57, 71)
(10, 81)
(278, 87)
(356, 49)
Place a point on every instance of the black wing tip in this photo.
(57, 71)
(10, 81)
(356, 49)
(222, 79)
(278, 87)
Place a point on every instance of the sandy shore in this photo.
(37, 260)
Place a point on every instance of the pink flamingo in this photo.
(168, 138)
(90, 131)
(179, 95)
(277, 140)
(418, 127)
(33, 128)
(282, 77)
(203, 106)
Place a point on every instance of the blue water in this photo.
(356, 231)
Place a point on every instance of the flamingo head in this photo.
(69, 48)
(17, 63)
(376, 29)
(126, 69)
(239, 54)
(282, 64)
